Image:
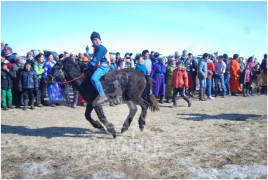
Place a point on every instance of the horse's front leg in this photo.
(133, 109)
(102, 118)
(94, 123)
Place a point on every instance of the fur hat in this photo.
(95, 35)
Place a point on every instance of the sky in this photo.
(166, 27)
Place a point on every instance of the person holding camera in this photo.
(28, 83)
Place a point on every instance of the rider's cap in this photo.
(95, 35)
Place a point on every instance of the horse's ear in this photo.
(60, 63)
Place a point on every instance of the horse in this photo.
(133, 86)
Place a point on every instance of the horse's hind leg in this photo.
(142, 117)
(102, 117)
(94, 123)
(133, 109)
(144, 108)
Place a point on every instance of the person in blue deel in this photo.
(100, 60)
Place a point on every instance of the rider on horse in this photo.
(100, 61)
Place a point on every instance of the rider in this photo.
(100, 60)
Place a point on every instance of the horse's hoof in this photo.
(141, 128)
(112, 131)
(123, 130)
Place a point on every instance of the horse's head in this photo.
(57, 74)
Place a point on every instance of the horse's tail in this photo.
(153, 104)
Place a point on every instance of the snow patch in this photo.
(113, 175)
(253, 171)
(37, 170)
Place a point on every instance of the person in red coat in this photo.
(179, 83)
(211, 70)
(235, 73)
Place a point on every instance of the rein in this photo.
(66, 82)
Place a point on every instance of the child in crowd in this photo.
(28, 83)
(245, 79)
(179, 83)
(6, 85)
(140, 65)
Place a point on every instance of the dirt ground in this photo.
(221, 138)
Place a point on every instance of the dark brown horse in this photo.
(129, 84)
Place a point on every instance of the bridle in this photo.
(60, 72)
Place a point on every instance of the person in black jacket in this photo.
(28, 83)
(6, 85)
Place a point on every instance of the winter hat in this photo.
(156, 54)
(8, 48)
(84, 59)
(95, 35)
(17, 57)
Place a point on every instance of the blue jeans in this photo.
(179, 90)
(227, 83)
(202, 83)
(221, 78)
(95, 78)
(209, 86)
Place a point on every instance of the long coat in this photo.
(169, 72)
(158, 74)
(234, 79)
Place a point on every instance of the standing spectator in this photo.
(6, 85)
(241, 64)
(17, 69)
(9, 55)
(187, 62)
(87, 49)
(65, 54)
(152, 57)
(30, 58)
(80, 56)
(147, 62)
(2, 46)
(250, 62)
(3, 60)
(123, 61)
(264, 64)
(177, 56)
(118, 59)
(210, 70)
(179, 82)
(235, 73)
(227, 74)
(202, 74)
(47, 68)
(245, 79)
(158, 74)
(220, 69)
(213, 78)
(184, 58)
(129, 63)
(76, 93)
(256, 78)
(140, 65)
(28, 84)
(169, 72)
(113, 66)
(193, 70)
(41, 92)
